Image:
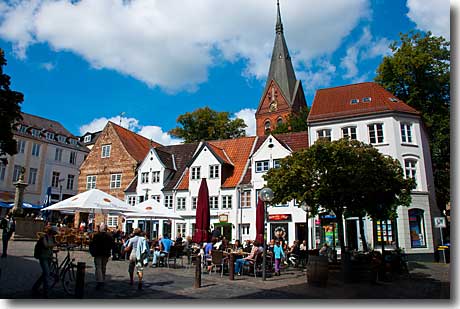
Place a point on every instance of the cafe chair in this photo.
(218, 259)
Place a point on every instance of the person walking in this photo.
(136, 260)
(43, 251)
(8, 225)
(279, 253)
(100, 249)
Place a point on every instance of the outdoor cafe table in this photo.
(231, 262)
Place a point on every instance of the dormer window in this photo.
(367, 99)
(354, 101)
(61, 139)
(213, 171)
(393, 100)
(73, 141)
(49, 136)
(23, 128)
(196, 173)
(35, 132)
(87, 139)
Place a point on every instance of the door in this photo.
(352, 234)
(225, 230)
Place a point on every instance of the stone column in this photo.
(19, 194)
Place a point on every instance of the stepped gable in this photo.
(336, 103)
(136, 145)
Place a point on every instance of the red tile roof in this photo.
(334, 103)
(137, 146)
(293, 141)
(221, 154)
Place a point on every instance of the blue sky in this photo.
(84, 62)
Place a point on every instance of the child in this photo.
(279, 253)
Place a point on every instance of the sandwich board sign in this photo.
(439, 222)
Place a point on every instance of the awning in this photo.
(24, 205)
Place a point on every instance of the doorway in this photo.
(352, 234)
(225, 230)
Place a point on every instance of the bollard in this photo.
(80, 280)
(231, 267)
(197, 283)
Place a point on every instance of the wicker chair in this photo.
(218, 259)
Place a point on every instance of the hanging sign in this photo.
(279, 217)
(439, 222)
(223, 218)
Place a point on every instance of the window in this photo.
(417, 228)
(32, 176)
(145, 177)
(169, 201)
(87, 139)
(115, 181)
(16, 172)
(213, 171)
(349, 132)
(213, 202)
(55, 179)
(61, 139)
(262, 166)
(70, 181)
(112, 221)
(155, 177)
(226, 202)
(156, 198)
(180, 203)
(245, 199)
(36, 149)
(21, 146)
(245, 229)
(180, 229)
(194, 202)
(196, 173)
(367, 99)
(406, 132)
(58, 154)
(324, 134)
(354, 101)
(375, 133)
(23, 129)
(384, 232)
(35, 132)
(73, 157)
(267, 125)
(73, 141)
(132, 200)
(141, 198)
(279, 121)
(393, 100)
(106, 151)
(90, 182)
(49, 136)
(276, 163)
(2, 171)
(410, 168)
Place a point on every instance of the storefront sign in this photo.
(223, 218)
(279, 217)
(439, 222)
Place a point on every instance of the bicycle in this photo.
(64, 272)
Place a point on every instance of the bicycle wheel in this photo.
(54, 274)
(69, 279)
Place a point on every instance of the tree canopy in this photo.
(207, 124)
(347, 177)
(418, 72)
(296, 122)
(10, 112)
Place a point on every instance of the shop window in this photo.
(383, 231)
(417, 228)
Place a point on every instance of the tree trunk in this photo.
(339, 219)
(363, 236)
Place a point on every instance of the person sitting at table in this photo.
(179, 239)
(244, 261)
(237, 246)
(165, 247)
(247, 247)
(208, 247)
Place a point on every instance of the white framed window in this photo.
(349, 132)
(406, 133)
(245, 199)
(112, 221)
(91, 182)
(105, 153)
(196, 173)
(410, 168)
(367, 99)
(145, 177)
(35, 132)
(73, 157)
(324, 134)
(156, 198)
(214, 202)
(16, 172)
(354, 101)
(244, 227)
(55, 179)
(32, 176)
(70, 181)
(194, 201)
(262, 166)
(169, 201)
(276, 163)
(155, 177)
(2, 171)
(36, 149)
(23, 129)
(62, 139)
(49, 136)
(132, 200)
(21, 146)
(87, 139)
(115, 181)
(375, 133)
(226, 202)
(213, 171)
(73, 141)
(181, 229)
(58, 154)
(180, 203)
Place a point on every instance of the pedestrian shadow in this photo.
(161, 283)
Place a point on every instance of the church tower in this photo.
(283, 93)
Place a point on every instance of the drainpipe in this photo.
(238, 209)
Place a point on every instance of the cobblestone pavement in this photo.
(20, 270)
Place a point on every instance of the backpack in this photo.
(38, 249)
(3, 224)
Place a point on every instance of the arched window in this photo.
(279, 121)
(410, 169)
(417, 228)
(267, 125)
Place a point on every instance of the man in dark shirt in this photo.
(101, 248)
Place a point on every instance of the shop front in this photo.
(279, 226)
(224, 226)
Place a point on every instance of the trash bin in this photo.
(441, 252)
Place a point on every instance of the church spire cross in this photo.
(279, 23)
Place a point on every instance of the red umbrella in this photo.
(202, 214)
(260, 221)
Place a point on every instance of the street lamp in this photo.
(307, 210)
(266, 195)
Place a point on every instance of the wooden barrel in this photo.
(317, 270)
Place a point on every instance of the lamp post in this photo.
(266, 195)
(307, 210)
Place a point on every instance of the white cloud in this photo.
(433, 15)
(248, 115)
(49, 66)
(156, 134)
(172, 44)
(319, 75)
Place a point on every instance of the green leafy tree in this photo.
(296, 122)
(207, 124)
(345, 176)
(418, 72)
(10, 112)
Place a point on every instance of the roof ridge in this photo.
(132, 132)
(342, 86)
